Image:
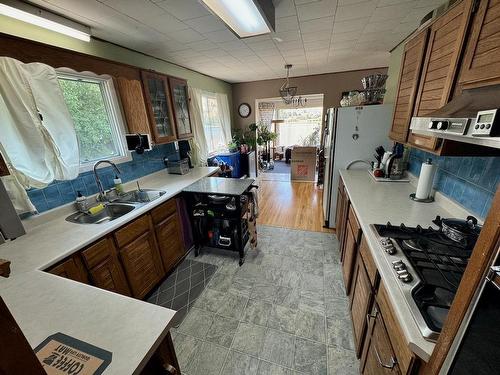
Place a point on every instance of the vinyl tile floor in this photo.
(283, 312)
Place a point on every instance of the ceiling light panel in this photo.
(245, 18)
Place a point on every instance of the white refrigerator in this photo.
(351, 133)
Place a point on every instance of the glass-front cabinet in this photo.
(158, 105)
(180, 103)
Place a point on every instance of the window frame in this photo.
(113, 110)
(210, 95)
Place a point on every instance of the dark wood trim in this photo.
(4, 268)
(485, 249)
(172, 82)
(29, 51)
(4, 171)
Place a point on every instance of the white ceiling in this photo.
(318, 36)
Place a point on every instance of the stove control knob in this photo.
(442, 125)
(405, 276)
(399, 265)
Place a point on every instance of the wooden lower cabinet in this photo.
(341, 214)
(71, 268)
(348, 257)
(169, 237)
(140, 257)
(361, 301)
(164, 360)
(378, 356)
(104, 267)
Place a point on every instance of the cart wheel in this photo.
(241, 262)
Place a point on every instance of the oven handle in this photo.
(379, 360)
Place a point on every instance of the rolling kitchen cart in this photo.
(217, 208)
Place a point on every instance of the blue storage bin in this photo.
(232, 159)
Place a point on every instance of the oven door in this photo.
(478, 352)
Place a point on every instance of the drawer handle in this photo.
(170, 370)
(224, 241)
(372, 315)
(379, 360)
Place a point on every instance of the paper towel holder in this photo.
(426, 200)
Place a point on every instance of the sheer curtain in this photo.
(38, 137)
(225, 116)
(199, 149)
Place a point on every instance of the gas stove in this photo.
(428, 267)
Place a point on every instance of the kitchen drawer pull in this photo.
(379, 360)
(372, 315)
(170, 370)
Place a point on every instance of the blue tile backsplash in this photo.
(469, 181)
(62, 192)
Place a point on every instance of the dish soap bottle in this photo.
(118, 184)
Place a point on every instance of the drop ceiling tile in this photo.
(220, 36)
(342, 37)
(186, 36)
(316, 44)
(288, 36)
(166, 23)
(316, 10)
(284, 8)
(391, 12)
(324, 24)
(357, 24)
(429, 4)
(215, 53)
(140, 10)
(268, 53)
(264, 45)
(290, 45)
(311, 37)
(184, 9)
(293, 53)
(354, 11)
(381, 26)
(202, 45)
(287, 24)
(206, 24)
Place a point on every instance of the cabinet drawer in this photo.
(403, 354)
(98, 252)
(164, 210)
(371, 268)
(132, 230)
(354, 223)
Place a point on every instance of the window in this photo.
(93, 105)
(301, 126)
(212, 124)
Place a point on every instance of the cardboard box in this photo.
(304, 164)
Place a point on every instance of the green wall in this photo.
(112, 52)
(391, 84)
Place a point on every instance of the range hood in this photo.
(473, 117)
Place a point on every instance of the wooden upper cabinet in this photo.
(134, 105)
(159, 107)
(446, 38)
(481, 65)
(409, 75)
(180, 105)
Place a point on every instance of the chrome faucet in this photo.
(102, 193)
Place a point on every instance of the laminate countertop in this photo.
(378, 203)
(43, 304)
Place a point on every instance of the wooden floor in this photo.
(288, 204)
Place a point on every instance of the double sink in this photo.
(120, 206)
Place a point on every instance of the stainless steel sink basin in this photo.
(112, 211)
(140, 196)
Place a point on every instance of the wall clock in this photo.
(244, 110)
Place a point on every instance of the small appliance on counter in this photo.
(390, 166)
(428, 265)
(178, 166)
(139, 142)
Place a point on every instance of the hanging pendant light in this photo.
(288, 92)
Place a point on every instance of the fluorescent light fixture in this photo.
(39, 17)
(245, 18)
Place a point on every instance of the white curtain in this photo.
(225, 116)
(38, 138)
(199, 149)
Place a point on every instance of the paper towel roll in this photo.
(424, 185)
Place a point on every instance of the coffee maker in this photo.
(184, 149)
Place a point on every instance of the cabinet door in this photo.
(481, 64)
(361, 299)
(159, 106)
(409, 75)
(142, 264)
(169, 237)
(104, 268)
(379, 358)
(180, 104)
(71, 268)
(133, 105)
(445, 43)
(341, 215)
(349, 257)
